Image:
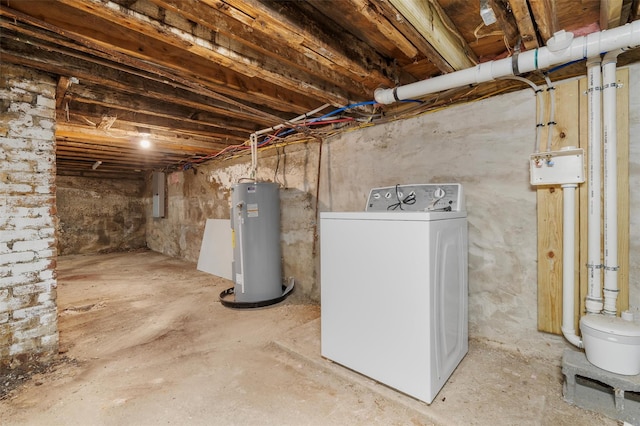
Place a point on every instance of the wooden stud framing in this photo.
(572, 129)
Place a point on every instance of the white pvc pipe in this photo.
(568, 261)
(552, 111)
(610, 182)
(540, 103)
(561, 48)
(594, 262)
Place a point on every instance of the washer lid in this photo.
(610, 325)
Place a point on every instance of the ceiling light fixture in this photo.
(486, 12)
(145, 142)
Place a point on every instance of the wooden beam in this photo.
(506, 21)
(132, 159)
(67, 169)
(550, 203)
(544, 12)
(572, 110)
(436, 27)
(210, 80)
(84, 113)
(280, 21)
(408, 31)
(125, 138)
(99, 74)
(635, 10)
(299, 57)
(368, 22)
(113, 100)
(610, 14)
(520, 9)
(61, 89)
(146, 38)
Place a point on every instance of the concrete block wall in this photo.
(28, 315)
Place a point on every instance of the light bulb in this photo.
(144, 142)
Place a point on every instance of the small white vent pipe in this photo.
(560, 49)
(609, 112)
(568, 258)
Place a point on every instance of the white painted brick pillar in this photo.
(28, 315)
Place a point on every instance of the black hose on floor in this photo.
(286, 291)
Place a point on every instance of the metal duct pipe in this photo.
(560, 49)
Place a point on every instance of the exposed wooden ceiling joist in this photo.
(202, 75)
(436, 27)
(610, 13)
(545, 15)
(528, 34)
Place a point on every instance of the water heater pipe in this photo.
(568, 261)
(560, 49)
(253, 138)
(609, 112)
(594, 262)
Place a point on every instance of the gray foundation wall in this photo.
(100, 215)
(483, 145)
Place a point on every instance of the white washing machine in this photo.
(394, 287)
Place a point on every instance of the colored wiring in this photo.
(559, 67)
(288, 129)
(336, 122)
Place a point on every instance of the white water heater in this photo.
(255, 226)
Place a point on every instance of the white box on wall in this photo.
(557, 167)
(157, 187)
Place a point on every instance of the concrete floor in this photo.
(147, 342)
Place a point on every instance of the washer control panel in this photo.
(418, 197)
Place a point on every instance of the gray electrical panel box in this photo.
(157, 188)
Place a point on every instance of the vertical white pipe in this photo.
(568, 261)
(594, 263)
(552, 111)
(253, 140)
(610, 183)
(539, 102)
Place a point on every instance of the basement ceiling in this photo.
(199, 77)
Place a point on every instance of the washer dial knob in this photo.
(439, 193)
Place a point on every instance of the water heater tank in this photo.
(255, 225)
